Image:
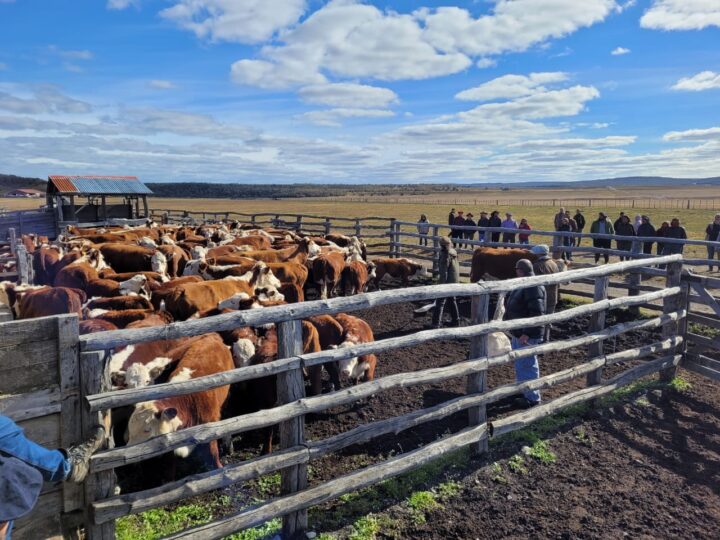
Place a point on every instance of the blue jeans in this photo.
(527, 368)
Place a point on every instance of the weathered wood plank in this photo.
(597, 322)
(27, 367)
(21, 407)
(28, 331)
(704, 320)
(477, 382)
(671, 304)
(44, 430)
(705, 298)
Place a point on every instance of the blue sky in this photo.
(350, 91)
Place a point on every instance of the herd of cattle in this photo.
(118, 278)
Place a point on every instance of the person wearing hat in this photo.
(423, 228)
(469, 233)
(524, 239)
(646, 229)
(448, 272)
(580, 220)
(602, 226)
(509, 223)
(523, 303)
(483, 222)
(544, 265)
(625, 228)
(25, 464)
(459, 222)
(495, 221)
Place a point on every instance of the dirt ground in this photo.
(646, 468)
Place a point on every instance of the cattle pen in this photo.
(55, 383)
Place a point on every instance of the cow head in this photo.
(167, 240)
(158, 262)
(313, 250)
(194, 268)
(242, 352)
(262, 277)
(150, 419)
(147, 242)
(351, 368)
(93, 257)
(139, 375)
(134, 285)
(371, 270)
(420, 270)
(238, 301)
(198, 253)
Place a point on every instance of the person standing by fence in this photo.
(573, 228)
(625, 228)
(522, 304)
(495, 221)
(646, 229)
(423, 228)
(712, 234)
(524, 239)
(602, 226)
(509, 223)
(675, 231)
(483, 222)
(458, 233)
(543, 266)
(662, 233)
(470, 234)
(448, 272)
(566, 239)
(557, 220)
(580, 220)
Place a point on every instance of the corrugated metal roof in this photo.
(100, 185)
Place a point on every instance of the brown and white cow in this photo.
(327, 271)
(201, 357)
(402, 269)
(51, 301)
(133, 258)
(189, 298)
(356, 331)
(490, 263)
(356, 275)
(120, 302)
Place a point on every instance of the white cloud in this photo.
(246, 21)
(697, 135)
(348, 39)
(334, 117)
(46, 99)
(705, 80)
(681, 15)
(70, 54)
(159, 84)
(619, 51)
(486, 63)
(348, 95)
(121, 4)
(510, 86)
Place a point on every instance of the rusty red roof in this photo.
(99, 185)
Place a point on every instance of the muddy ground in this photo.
(639, 470)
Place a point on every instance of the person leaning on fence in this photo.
(524, 239)
(602, 226)
(509, 223)
(618, 220)
(24, 465)
(521, 304)
(580, 220)
(423, 228)
(712, 234)
(495, 221)
(624, 228)
(448, 272)
(451, 217)
(543, 266)
(646, 229)
(469, 234)
(675, 231)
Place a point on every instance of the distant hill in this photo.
(8, 182)
(627, 181)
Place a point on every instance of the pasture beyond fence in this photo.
(74, 390)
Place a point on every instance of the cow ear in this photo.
(168, 414)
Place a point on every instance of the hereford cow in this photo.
(132, 258)
(356, 275)
(123, 318)
(51, 301)
(120, 302)
(489, 263)
(330, 334)
(300, 253)
(189, 298)
(109, 288)
(205, 356)
(327, 271)
(91, 326)
(44, 261)
(76, 276)
(356, 331)
(402, 269)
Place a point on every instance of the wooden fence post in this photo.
(477, 382)
(12, 238)
(291, 387)
(94, 379)
(393, 238)
(671, 304)
(597, 322)
(22, 264)
(298, 223)
(327, 225)
(252, 220)
(436, 250)
(358, 228)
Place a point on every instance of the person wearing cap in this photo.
(524, 225)
(580, 220)
(646, 229)
(523, 303)
(602, 226)
(625, 228)
(25, 464)
(544, 265)
(712, 234)
(495, 221)
(448, 272)
(423, 228)
(509, 223)
(469, 234)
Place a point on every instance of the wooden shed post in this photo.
(59, 205)
(393, 239)
(477, 382)
(94, 379)
(670, 305)
(291, 387)
(597, 322)
(145, 206)
(103, 203)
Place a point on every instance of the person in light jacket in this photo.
(509, 223)
(423, 228)
(448, 272)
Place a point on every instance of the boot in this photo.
(454, 312)
(438, 313)
(79, 454)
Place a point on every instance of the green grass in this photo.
(269, 485)
(517, 464)
(365, 528)
(702, 330)
(680, 385)
(420, 503)
(258, 533)
(160, 522)
(449, 489)
(540, 450)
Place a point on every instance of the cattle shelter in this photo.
(93, 199)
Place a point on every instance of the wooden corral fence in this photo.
(29, 376)
(39, 221)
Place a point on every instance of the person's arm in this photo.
(534, 298)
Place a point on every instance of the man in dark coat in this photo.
(448, 272)
(602, 226)
(495, 221)
(675, 231)
(458, 233)
(469, 222)
(484, 221)
(580, 220)
(712, 234)
(625, 228)
(543, 266)
(646, 229)
(523, 303)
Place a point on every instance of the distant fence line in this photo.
(625, 203)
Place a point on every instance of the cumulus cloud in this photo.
(681, 15)
(619, 51)
(348, 95)
(46, 99)
(159, 84)
(249, 21)
(486, 63)
(510, 86)
(349, 39)
(705, 80)
(334, 117)
(710, 134)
